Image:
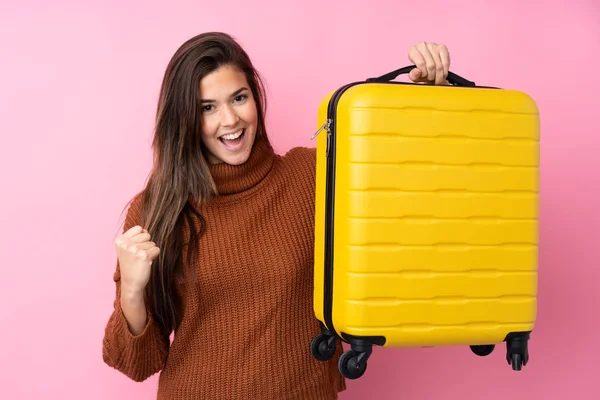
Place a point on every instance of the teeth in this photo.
(232, 135)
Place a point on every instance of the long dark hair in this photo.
(180, 172)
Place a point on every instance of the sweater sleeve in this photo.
(141, 356)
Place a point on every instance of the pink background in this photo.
(78, 88)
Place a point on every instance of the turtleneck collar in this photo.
(231, 179)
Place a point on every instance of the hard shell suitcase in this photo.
(426, 218)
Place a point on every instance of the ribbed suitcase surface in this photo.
(434, 223)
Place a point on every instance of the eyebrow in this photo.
(240, 90)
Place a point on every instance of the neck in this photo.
(232, 179)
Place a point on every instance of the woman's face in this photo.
(229, 116)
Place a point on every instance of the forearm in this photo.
(134, 310)
(133, 343)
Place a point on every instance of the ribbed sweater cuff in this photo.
(138, 356)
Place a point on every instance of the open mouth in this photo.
(233, 140)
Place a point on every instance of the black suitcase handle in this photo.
(452, 77)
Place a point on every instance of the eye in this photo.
(240, 98)
(207, 108)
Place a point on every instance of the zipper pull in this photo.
(324, 126)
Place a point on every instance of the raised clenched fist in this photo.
(135, 251)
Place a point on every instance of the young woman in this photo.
(218, 247)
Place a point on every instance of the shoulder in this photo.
(301, 158)
(298, 169)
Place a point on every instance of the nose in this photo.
(228, 117)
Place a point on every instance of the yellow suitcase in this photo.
(426, 219)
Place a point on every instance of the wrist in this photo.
(132, 296)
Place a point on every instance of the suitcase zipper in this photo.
(326, 127)
(329, 125)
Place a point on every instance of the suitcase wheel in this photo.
(483, 350)
(323, 346)
(517, 352)
(517, 360)
(352, 364)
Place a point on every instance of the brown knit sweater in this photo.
(248, 323)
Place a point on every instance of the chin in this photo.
(240, 155)
(237, 159)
